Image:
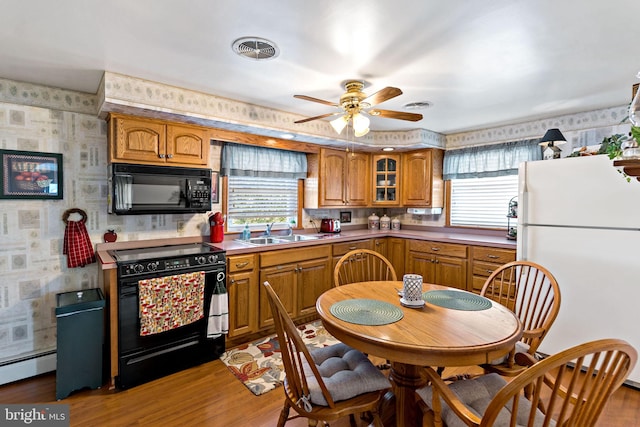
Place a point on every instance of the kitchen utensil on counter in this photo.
(329, 225)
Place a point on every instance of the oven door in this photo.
(142, 358)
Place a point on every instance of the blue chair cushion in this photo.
(476, 395)
(345, 371)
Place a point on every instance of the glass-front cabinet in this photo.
(386, 180)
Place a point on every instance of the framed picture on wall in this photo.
(30, 175)
(215, 187)
(345, 216)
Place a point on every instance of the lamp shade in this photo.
(553, 137)
(339, 123)
(360, 124)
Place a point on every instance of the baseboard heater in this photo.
(27, 367)
(628, 382)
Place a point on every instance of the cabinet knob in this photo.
(242, 264)
(435, 249)
(161, 156)
(493, 256)
(170, 156)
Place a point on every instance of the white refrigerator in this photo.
(580, 218)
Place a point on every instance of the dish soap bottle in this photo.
(246, 233)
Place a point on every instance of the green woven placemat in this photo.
(457, 300)
(366, 312)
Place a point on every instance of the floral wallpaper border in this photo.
(122, 93)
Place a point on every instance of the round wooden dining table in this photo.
(431, 335)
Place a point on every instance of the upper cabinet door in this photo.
(156, 142)
(422, 184)
(358, 179)
(137, 140)
(333, 178)
(187, 144)
(386, 180)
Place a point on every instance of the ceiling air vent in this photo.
(255, 48)
(417, 105)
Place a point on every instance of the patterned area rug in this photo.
(259, 364)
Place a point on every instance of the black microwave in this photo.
(145, 189)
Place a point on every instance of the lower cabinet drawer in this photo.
(241, 262)
(340, 249)
(484, 269)
(494, 255)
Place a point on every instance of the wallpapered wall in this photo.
(32, 267)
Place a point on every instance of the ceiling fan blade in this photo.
(382, 95)
(312, 99)
(400, 115)
(317, 117)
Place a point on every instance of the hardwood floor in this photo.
(209, 395)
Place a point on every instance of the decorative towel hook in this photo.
(69, 212)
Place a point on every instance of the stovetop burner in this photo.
(171, 259)
(161, 252)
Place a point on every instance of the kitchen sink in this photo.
(260, 240)
(297, 238)
(272, 240)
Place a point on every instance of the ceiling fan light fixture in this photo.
(339, 123)
(360, 124)
(361, 132)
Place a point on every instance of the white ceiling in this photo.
(480, 63)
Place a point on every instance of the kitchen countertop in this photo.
(232, 247)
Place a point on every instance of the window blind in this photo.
(482, 202)
(261, 200)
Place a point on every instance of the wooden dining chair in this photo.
(559, 392)
(326, 383)
(532, 293)
(362, 265)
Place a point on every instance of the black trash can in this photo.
(80, 319)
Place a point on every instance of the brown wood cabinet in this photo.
(422, 184)
(339, 249)
(242, 287)
(484, 260)
(337, 178)
(380, 246)
(156, 142)
(396, 254)
(298, 277)
(386, 180)
(439, 263)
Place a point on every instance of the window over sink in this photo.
(262, 185)
(259, 201)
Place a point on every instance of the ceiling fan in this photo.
(355, 105)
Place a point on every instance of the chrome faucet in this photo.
(290, 230)
(268, 230)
